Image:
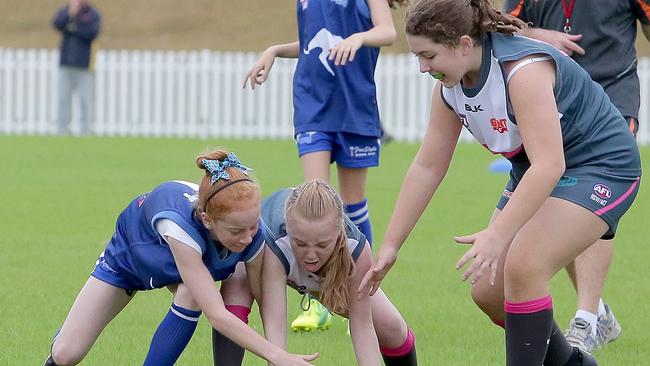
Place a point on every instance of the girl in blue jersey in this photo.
(576, 167)
(334, 98)
(314, 248)
(183, 237)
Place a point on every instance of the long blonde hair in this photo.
(316, 200)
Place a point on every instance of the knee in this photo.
(66, 353)
(235, 290)
(391, 332)
(489, 299)
(522, 273)
(184, 299)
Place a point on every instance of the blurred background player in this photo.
(599, 36)
(79, 23)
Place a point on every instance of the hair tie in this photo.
(217, 168)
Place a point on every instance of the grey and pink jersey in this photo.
(278, 241)
(594, 132)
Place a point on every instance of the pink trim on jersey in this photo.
(528, 307)
(239, 311)
(402, 350)
(506, 155)
(620, 199)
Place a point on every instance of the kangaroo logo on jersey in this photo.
(499, 125)
(324, 40)
(473, 108)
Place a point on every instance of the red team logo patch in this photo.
(500, 125)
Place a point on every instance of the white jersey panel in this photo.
(486, 115)
(299, 278)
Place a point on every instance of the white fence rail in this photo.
(199, 94)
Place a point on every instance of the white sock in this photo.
(590, 317)
(601, 308)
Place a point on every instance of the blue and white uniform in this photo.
(138, 258)
(335, 107)
(276, 238)
(603, 166)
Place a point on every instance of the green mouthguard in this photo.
(438, 76)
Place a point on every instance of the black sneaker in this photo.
(581, 358)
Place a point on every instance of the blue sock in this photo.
(358, 214)
(172, 335)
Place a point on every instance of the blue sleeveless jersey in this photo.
(331, 98)
(142, 257)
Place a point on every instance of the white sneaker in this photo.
(579, 335)
(608, 329)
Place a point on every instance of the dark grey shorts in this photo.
(606, 195)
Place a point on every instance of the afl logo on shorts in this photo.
(602, 191)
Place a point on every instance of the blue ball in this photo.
(501, 165)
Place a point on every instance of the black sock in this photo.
(404, 355)
(559, 350)
(409, 359)
(224, 351)
(528, 328)
(50, 362)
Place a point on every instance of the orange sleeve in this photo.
(514, 7)
(641, 9)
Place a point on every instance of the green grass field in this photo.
(60, 197)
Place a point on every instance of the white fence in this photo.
(199, 94)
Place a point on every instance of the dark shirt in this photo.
(78, 34)
(608, 29)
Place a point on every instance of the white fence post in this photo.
(199, 94)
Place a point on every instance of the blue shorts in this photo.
(348, 149)
(105, 273)
(606, 195)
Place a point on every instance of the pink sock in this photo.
(402, 350)
(239, 311)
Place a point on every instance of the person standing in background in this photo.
(599, 36)
(79, 22)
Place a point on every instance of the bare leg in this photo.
(588, 273)
(490, 298)
(550, 240)
(396, 342)
(388, 322)
(316, 165)
(96, 305)
(352, 183)
(237, 298)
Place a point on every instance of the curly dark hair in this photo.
(445, 21)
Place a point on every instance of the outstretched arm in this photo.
(258, 74)
(362, 330)
(422, 179)
(274, 299)
(198, 280)
(381, 34)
